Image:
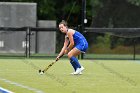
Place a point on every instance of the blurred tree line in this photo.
(115, 14)
(99, 13)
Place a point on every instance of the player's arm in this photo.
(62, 52)
(70, 35)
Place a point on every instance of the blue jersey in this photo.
(80, 42)
(78, 37)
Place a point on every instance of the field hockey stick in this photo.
(49, 66)
(43, 71)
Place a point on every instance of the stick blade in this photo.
(39, 70)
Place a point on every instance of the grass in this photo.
(113, 56)
(100, 76)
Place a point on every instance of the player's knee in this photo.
(69, 55)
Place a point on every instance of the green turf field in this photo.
(99, 76)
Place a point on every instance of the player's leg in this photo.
(74, 61)
(74, 52)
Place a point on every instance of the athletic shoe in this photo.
(73, 73)
(82, 68)
(78, 70)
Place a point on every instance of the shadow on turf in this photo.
(52, 76)
(125, 78)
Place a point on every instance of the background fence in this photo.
(104, 43)
(27, 41)
(113, 43)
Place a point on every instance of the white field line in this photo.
(22, 86)
(5, 90)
